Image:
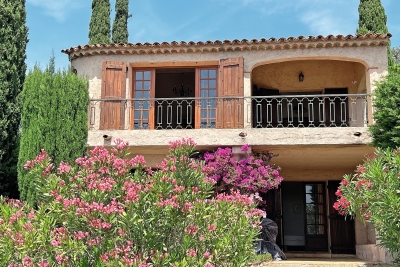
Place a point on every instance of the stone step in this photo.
(320, 262)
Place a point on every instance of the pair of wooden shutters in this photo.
(229, 110)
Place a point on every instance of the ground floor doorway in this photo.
(306, 218)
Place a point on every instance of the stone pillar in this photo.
(237, 153)
(247, 100)
(374, 74)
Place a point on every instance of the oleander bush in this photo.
(108, 210)
(373, 195)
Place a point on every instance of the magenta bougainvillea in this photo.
(251, 174)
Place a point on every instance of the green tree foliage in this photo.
(13, 40)
(396, 54)
(99, 27)
(386, 130)
(54, 118)
(372, 19)
(120, 25)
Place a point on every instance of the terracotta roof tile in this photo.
(300, 42)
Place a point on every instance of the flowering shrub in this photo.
(251, 174)
(373, 195)
(99, 212)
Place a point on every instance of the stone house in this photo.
(306, 99)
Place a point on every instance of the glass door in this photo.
(206, 108)
(142, 107)
(315, 219)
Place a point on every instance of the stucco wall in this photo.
(356, 68)
(372, 57)
(318, 75)
(230, 137)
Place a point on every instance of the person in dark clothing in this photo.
(267, 240)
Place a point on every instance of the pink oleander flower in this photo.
(211, 227)
(104, 258)
(121, 145)
(63, 168)
(138, 160)
(191, 253)
(207, 255)
(27, 262)
(18, 239)
(55, 243)
(180, 143)
(192, 230)
(29, 165)
(187, 207)
(43, 263)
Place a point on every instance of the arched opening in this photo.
(309, 93)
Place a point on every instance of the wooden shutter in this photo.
(230, 112)
(113, 93)
(273, 205)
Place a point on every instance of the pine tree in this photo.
(372, 19)
(99, 27)
(13, 40)
(54, 117)
(120, 25)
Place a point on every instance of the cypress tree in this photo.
(13, 40)
(54, 117)
(120, 25)
(99, 27)
(372, 19)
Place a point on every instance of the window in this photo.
(142, 92)
(208, 91)
(315, 211)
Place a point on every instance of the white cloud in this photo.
(266, 7)
(321, 17)
(150, 27)
(59, 9)
(322, 22)
(329, 17)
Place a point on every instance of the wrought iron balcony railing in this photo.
(283, 111)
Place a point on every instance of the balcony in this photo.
(284, 111)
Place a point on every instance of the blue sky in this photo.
(60, 24)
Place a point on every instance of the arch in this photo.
(318, 58)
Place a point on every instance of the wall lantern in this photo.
(301, 77)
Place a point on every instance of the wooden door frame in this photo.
(197, 66)
(197, 104)
(152, 95)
